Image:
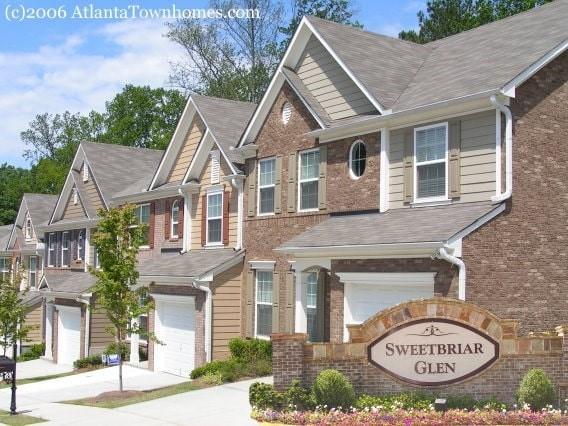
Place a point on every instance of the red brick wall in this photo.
(160, 240)
(517, 265)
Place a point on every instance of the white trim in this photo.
(50, 260)
(384, 178)
(215, 158)
(176, 222)
(138, 214)
(300, 181)
(262, 265)
(367, 251)
(350, 165)
(305, 102)
(68, 249)
(28, 236)
(199, 154)
(87, 248)
(256, 303)
(258, 186)
(476, 225)
(171, 298)
(207, 218)
(417, 199)
(498, 183)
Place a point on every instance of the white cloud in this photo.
(56, 78)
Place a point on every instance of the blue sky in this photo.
(77, 65)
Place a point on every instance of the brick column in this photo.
(287, 358)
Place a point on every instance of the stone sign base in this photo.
(294, 358)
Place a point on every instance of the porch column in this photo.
(134, 346)
(48, 330)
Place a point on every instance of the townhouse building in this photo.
(380, 171)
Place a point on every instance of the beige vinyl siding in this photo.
(477, 160)
(187, 150)
(74, 211)
(205, 181)
(330, 84)
(227, 289)
(33, 319)
(99, 337)
(94, 197)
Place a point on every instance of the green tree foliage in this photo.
(14, 181)
(117, 239)
(444, 18)
(536, 390)
(13, 326)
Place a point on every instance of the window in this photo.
(266, 181)
(286, 112)
(174, 231)
(263, 327)
(65, 255)
(4, 268)
(430, 162)
(52, 242)
(357, 159)
(215, 166)
(32, 271)
(214, 218)
(143, 216)
(308, 180)
(81, 245)
(29, 230)
(311, 305)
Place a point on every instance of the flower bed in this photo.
(413, 417)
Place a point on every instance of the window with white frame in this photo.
(357, 159)
(214, 218)
(215, 166)
(263, 302)
(143, 218)
(32, 271)
(5, 268)
(174, 220)
(308, 180)
(430, 162)
(65, 246)
(311, 305)
(28, 228)
(266, 185)
(81, 245)
(52, 244)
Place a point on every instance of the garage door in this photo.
(369, 293)
(176, 330)
(68, 334)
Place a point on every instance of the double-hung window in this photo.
(32, 271)
(311, 305)
(266, 185)
(143, 218)
(4, 268)
(214, 218)
(431, 163)
(65, 246)
(174, 231)
(81, 245)
(308, 179)
(264, 282)
(52, 243)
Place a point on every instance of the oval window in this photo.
(286, 112)
(357, 159)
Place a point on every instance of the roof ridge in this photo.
(119, 146)
(197, 95)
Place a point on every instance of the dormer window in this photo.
(28, 228)
(286, 112)
(85, 172)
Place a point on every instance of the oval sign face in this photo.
(431, 352)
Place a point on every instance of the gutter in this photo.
(444, 255)
(208, 316)
(502, 196)
(155, 194)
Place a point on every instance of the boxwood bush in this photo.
(34, 352)
(87, 362)
(334, 390)
(536, 389)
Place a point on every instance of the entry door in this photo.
(68, 335)
(177, 335)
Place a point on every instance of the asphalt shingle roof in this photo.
(40, 207)
(411, 225)
(5, 232)
(69, 281)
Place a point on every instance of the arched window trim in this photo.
(174, 219)
(351, 173)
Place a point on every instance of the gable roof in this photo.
(67, 281)
(5, 231)
(40, 207)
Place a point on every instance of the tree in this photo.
(444, 18)
(143, 117)
(14, 181)
(339, 11)
(117, 239)
(13, 328)
(229, 58)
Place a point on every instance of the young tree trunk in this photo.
(119, 344)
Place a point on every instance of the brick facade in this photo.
(517, 265)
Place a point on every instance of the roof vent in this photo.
(85, 172)
(286, 112)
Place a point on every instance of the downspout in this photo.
(208, 316)
(502, 196)
(443, 254)
(238, 184)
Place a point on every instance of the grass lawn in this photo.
(19, 419)
(117, 399)
(4, 385)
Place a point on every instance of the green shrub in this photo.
(34, 352)
(248, 350)
(90, 361)
(209, 368)
(334, 390)
(263, 396)
(406, 401)
(536, 389)
(113, 349)
(298, 397)
(212, 379)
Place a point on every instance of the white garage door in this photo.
(369, 293)
(176, 330)
(68, 334)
